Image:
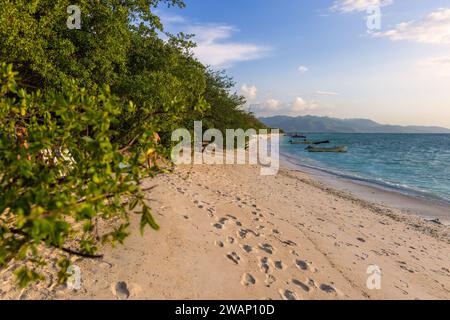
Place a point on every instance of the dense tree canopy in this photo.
(84, 117)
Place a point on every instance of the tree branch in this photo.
(67, 250)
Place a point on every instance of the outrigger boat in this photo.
(340, 149)
(296, 136)
(309, 142)
(300, 142)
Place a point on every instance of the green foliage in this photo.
(87, 120)
(60, 171)
(35, 38)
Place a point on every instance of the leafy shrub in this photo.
(59, 171)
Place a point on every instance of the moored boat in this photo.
(308, 142)
(340, 149)
(300, 142)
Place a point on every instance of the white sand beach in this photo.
(229, 233)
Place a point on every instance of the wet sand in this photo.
(427, 208)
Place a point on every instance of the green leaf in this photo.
(147, 219)
(25, 276)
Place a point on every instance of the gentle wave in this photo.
(391, 168)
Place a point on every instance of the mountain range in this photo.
(314, 124)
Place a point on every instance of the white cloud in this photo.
(347, 6)
(327, 93)
(433, 29)
(250, 92)
(273, 107)
(168, 19)
(273, 104)
(300, 105)
(215, 48)
(303, 69)
(439, 66)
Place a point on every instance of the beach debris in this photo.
(436, 221)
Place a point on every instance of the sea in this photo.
(412, 164)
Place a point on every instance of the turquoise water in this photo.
(417, 164)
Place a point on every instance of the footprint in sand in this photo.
(120, 290)
(222, 221)
(233, 256)
(301, 285)
(312, 283)
(242, 233)
(267, 248)
(270, 279)
(327, 288)
(217, 226)
(278, 265)
(246, 248)
(230, 240)
(248, 280)
(302, 265)
(219, 244)
(265, 265)
(288, 295)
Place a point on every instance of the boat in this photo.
(321, 142)
(340, 149)
(300, 142)
(308, 142)
(296, 136)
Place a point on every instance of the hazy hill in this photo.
(311, 124)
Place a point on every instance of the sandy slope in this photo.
(229, 233)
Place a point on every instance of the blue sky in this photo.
(298, 57)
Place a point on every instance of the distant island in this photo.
(314, 124)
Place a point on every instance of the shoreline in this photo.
(428, 208)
